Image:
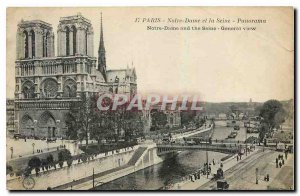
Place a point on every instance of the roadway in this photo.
(242, 176)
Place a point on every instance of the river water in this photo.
(169, 171)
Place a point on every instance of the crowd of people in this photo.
(280, 160)
(204, 171)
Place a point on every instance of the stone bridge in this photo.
(222, 148)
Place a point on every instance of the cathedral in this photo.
(46, 84)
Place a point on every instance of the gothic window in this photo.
(67, 41)
(47, 120)
(50, 88)
(45, 45)
(27, 121)
(74, 39)
(26, 44)
(28, 90)
(32, 43)
(70, 88)
(86, 42)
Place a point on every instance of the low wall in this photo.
(148, 158)
(77, 171)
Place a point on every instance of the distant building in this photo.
(10, 116)
(173, 116)
(222, 116)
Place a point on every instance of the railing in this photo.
(218, 148)
(44, 104)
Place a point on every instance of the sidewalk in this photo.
(280, 178)
(227, 164)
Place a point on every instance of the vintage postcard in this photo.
(150, 98)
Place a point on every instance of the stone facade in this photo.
(10, 116)
(46, 84)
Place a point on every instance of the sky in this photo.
(221, 66)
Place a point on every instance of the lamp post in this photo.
(246, 140)
(256, 174)
(33, 144)
(12, 151)
(206, 160)
(94, 182)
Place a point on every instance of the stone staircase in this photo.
(137, 155)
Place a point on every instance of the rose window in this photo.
(50, 88)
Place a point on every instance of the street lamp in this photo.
(95, 183)
(256, 174)
(33, 144)
(12, 151)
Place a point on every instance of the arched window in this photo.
(45, 45)
(74, 39)
(67, 91)
(67, 41)
(25, 44)
(28, 90)
(86, 42)
(70, 88)
(32, 43)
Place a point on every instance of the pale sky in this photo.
(220, 65)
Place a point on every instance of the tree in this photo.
(159, 118)
(187, 117)
(72, 130)
(128, 120)
(273, 116)
(35, 163)
(81, 116)
(64, 155)
(101, 126)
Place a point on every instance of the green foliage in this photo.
(86, 119)
(159, 119)
(273, 116)
(273, 113)
(34, 163)
(187, 117)
(9, 169)
(64, 155)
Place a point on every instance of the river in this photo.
(169, 171)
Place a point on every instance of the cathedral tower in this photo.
(101, 53)
(35, 39)
(75, 36)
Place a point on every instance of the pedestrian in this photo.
(282, 161)
(213, 161)
(280, 164)
(237, 158)
(286, 153)
(276, 162)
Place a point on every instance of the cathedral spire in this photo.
(101, 52)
